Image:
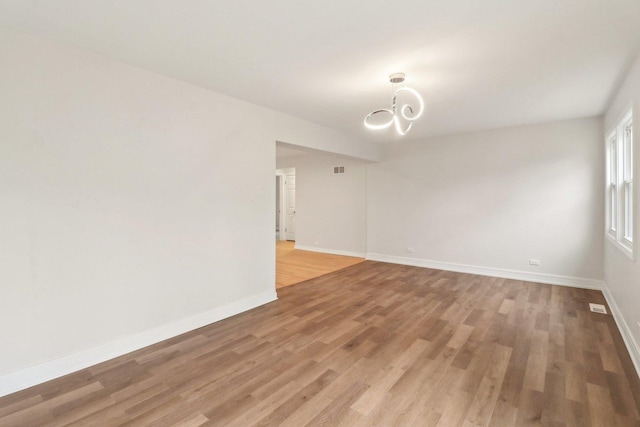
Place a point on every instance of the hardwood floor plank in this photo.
(577, 414)
(282, 412)
(485, 398)
(194, 420)
(575, 382)
(537, 362)
(373, 344)
(11, 408)
(600, 406)
(338, 409)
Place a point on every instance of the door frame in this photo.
(283, 204)
(289, 175)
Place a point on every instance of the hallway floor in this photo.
(295, 266)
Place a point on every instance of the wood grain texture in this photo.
(374, 344)
(295, 266)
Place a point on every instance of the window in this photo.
(619, 209)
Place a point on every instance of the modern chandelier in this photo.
(402, 113)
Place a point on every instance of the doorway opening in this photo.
(294, 265)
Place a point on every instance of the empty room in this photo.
(456, 177)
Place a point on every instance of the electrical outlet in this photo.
(410, 250)
(639, 324)
(535, 262)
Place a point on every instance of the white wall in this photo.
(494, 199)
(330, 209)
(621, 274)
(131, 204)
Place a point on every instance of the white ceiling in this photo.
(478, 64)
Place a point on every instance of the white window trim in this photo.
(615, 225)
(611, 190)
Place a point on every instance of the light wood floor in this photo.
(295, 266)
(372, 344)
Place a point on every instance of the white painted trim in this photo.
(287, 234)
(623, 327)
(617, 239)
(551, 279)
(33, 375)
(280, 235)
(330, 251)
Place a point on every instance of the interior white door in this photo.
(290, 226)
(277, 207)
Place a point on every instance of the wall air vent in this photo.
(338, 170)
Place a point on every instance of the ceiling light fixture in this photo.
(402, 114)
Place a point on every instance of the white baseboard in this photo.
(331, 251)
(625, 331)
(551, 279)
(33, 375)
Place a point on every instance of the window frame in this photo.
(611, 147)
(620, 211)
